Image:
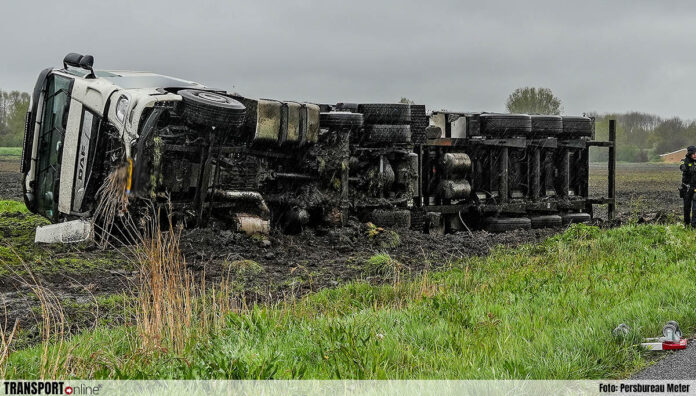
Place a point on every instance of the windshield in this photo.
(53, 123)
(145, 80)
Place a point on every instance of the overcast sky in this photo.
(605, 56)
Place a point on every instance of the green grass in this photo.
(382, 265)
(541, 311)
(9, 207)
(11, 152)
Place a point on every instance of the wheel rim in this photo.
(213, 97)
(669, 332)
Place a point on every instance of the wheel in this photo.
(547, 125)
(546, 221)
(505, 125)
(577, 126)
(434, 223)
(433, 132)
(621, 330)
(675, 324)
(502, 224)
(388, 133)
(349, 107)
(572, 218)
(419, 122)
(390, 114)
(418, 219)
(671, 333)
(340, 119)
(212, 109)
(397, 218)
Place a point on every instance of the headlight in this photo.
(121, 108)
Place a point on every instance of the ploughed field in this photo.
(643, 190)
(93, 284)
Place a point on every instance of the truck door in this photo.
(51, 133)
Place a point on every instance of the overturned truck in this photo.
(214, 156)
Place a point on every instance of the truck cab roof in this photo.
(124, 79)
(133, 80)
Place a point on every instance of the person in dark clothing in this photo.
(688, 187)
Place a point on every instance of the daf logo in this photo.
(81, 163)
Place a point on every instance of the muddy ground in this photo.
(10, 179)
(92, 284)
(643, 190)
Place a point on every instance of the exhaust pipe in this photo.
(248, 223)
(247, 196)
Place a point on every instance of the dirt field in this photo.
(643, 190)
(10, 179)
(89, 281)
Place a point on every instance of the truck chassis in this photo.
(209, 155)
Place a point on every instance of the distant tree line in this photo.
(642, 137)
(13, 109)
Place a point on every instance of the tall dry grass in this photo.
(7, 336)
(112, 204)
(53, 331)
(172, 308)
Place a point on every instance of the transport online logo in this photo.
(48, 388)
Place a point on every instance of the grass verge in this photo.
(541, 311)
(10, 153)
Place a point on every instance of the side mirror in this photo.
(72, 59)
(85, 62)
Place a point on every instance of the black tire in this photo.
(502, 224)
(434, 223)
(388, 133)
(575, 126)
(212, 109)
(389, 114)
(547, 125)
(675, 324)
(418, 219)
(505, 125)
(350, 107)
(340, 120)
(391, 218)
(433, 132)
(572, 218)
(419, 122)
(546, 221)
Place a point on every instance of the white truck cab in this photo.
(70, 108)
